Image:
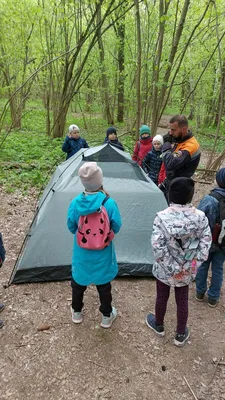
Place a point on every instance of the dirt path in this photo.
(86, 362)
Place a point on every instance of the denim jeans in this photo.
(216, 259)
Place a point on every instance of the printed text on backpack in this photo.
(94, 232)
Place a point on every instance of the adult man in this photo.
(182, 156)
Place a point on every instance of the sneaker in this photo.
(2, 306)
(158, 329)
(199, 296)
(180, 339)
(77, 317)
(212, 302)
(107, 321)
(1, 324)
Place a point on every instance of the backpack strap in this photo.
(105, 200)
(221, 200)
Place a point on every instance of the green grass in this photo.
(29, 156)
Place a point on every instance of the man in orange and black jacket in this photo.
(182, 156)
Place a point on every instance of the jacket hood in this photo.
(89, 203)
(181, 226)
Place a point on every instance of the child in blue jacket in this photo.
(152, 162)
(97, 267)
(2, 258)
(73, 142)
(211, 207)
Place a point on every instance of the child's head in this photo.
(74, 131)
(91, 176)
(157, 142)
(144, 132)
(111, 133)
(220, 178)
(181, 190)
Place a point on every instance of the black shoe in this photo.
(2, 306)
(158, 329)
(180, 339)
(199, 296)
(212, 302)
(1, 324)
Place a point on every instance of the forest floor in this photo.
(84, 361)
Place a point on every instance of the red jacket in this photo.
(141, 148)
(162, 174)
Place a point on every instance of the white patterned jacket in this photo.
(175, 229)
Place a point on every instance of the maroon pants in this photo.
(181, 296)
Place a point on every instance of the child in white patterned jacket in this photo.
(181, 240)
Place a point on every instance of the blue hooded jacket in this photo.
(93, 266)
(71, 146)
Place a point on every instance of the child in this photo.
(2, 258)
(93, 266)
(181, 240)
(111, 138)
(162, 172)
(211, 207)
(143, 145)
(73, 142)
(152, 162)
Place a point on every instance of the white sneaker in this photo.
(107, 321)
(77, 317)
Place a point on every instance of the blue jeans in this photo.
(216, 259)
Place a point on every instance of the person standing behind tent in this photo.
(143, 145)
(182, 156)
(111, 138)
(162, 172)
(152, 162)
(97, 267)
(2, 259)
(181, 239)
(73, 142)
(210, 205)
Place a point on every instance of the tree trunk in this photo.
(121, 38)
(138, 73)
(105, 90)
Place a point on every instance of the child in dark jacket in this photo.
(111, 138)
(73, 142)
(211, 207)
(2, 258)
(92, 266)
(143, 145)
(152, 162)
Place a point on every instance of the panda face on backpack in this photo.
(94, 232)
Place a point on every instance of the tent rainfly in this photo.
(46, 253)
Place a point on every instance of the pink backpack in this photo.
(94, 232)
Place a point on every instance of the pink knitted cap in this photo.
(91, 176)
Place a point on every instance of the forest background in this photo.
(101, 63)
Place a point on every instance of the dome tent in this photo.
(47, 250)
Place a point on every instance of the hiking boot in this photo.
(199, 296)
(212, 302)
(158, 329)
(107, 321)
(2, 306)
(180, 339)
(77, 317)
(1, 324)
